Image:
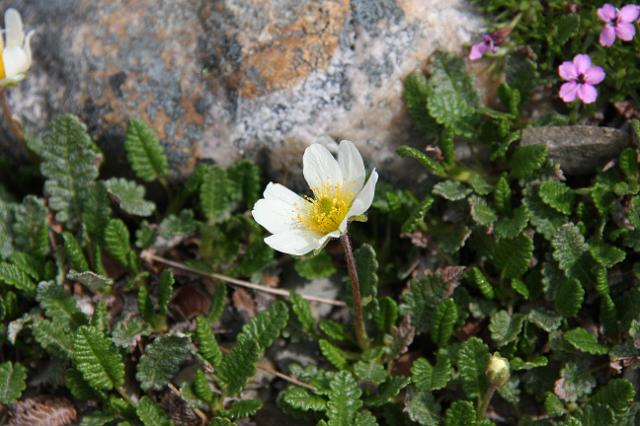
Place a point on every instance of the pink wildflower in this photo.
(618, 23)
(580, 77)
(488, 44)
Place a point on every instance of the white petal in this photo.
(27, 47)
(334, 234)
(363, 200)
(319, 167)
(275, 191)
(279, 209)
(296, 242)
(351, 165)
(15, 61)
(13, 28)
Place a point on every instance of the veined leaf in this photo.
(344, 400)
(301, 399)
(427, 162)
(502, 195)
(416, 218)
(94, 282)
(415, 93)
(130, 197)
(422, 408)
(317, 266)
(97, 359)
(12, 275)
(618, 395)
(557, 195)
(302, 311)
(481, 211)
(215, 194)
(151, 414)
(527, 159)
(505, 328)
(584, 341)
(166, 291)
(144, 151)
(512, 255)
(54, 337)
(333, 354)
(367, 267)
(74, 252)
(161, 361)
(461, 413)
(451, 190)
(116, 238)
(59, 305)
(30, 229)
(207, 344)
(473, 357)
(12, 382)
(444, 320)
(241, 409)
(246, 176)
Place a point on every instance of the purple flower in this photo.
(580, 77)
(488, 44)
(617, 23)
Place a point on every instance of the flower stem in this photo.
(6, 110)
(483, 404)
(361, 331)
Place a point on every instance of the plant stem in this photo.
(123, 393)
(483, 404)
(361, 331)
(6, 110)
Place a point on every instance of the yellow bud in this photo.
(498, 370)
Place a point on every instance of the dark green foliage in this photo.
(161, 361)
(150, 414)
(207, 344)
(97, 360)
(316, 266)
(144, 151)
(12, 382)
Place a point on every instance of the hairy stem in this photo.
(483, 404)
(361, 331)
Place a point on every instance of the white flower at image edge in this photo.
(300, 225)
(15, 60)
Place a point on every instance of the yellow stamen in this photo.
(329, 206)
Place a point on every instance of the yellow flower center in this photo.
(329, 206)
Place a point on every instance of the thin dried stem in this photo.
(361, 331)
(150, 257)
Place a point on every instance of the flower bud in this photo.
(497, 370)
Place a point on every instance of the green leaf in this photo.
(365, 418)
(557, 195)
(144, 151)
(97, 418)
(74, 252)
(239, 365)
(505, 328)
(265, 327)
(94, 282)
(54, 337)
(520, 287)
(70, 164)
(512, 225)
(79, 387)
(370, 372)
(242, 409)
(59, 305)
(100, 316)
(575, 381)
(444, 320)
(215, 195)
(415, 93)
(512, 255)
(481, 211)
(14, 276)
(628, 163)
(166, 291)
(367, 267)
(422, 374)
(546, 320)
(333, 354)
(553, 405)
(481, 281)
(180, 226)
(502, 195)
(526, 160)
(97, 359)
(344, 400)
(301, 399)
(423, 297)
(130, 197)
(427, 162)
(201, 387)
(302, 311)
(442, 371)
(461, 413)
(221, 421)
(451, 190)
(416, 218)
(618, 395)
(386, 315)
(597, 415)
(207, 344)
(422, 408)
(246, 175)
(473, 357)
(606, 254)
(569, 249)
(116, 238)
(30, 227)
(335, 330)
(161, 361)
(218, 301)
(545, 219)
(452, 100)
(584, 341)
(314, 267)
(388, 391)
(150, 413)
(12, 382)
(97, 211)
(127, 331)
(569, 298)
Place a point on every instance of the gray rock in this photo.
(222, 79)
(578, 149)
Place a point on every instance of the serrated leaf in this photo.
(314, 267)
(12, 382)
(451, 190)
(97, 211)
(505, 328)
(301, 399)
(207, 343)
(370, 372)
(94, 282)
(553, 406)
(584, 341)
(242, 409)
(246, 176)
(575, 381)
(79, 387)
(618, 395)
(116, 238)
(388, 391)
(461, 413)
(126, 332)
(70, 164)
(239, 365)
(415, 94)
(130, 197)
(74, 252)
(302, 311)
(628, 163)
(511, 225)
(416, 218)
(545, 219)
(218, 301)
(512, 255)
(386, 315)
(557, 195)
(367, 268)
(569, 249)
(520, 287)
(606, 254)
(546, 320)
(150, 413)
(481, 211)
(334, 330)
(166, 291)
(518, 364)
(427, 162)
(97, 419)
(526, 160)
(201, 387)
(365, 418)
(54, 337)
(481, 281)
(221, 421)
(473, 357)
(161, 361)
(333, 354)
(569, 298)
(596, 415)
(265, 327)
(59, 305)
(452, 100)
(97, 359)
(178, 226)
(216, 197)
(30, 228)
(144, 151)
(444, 320)
(422, 408)
(424, 296)
(344, 400)
(502, 195)
(12, 275)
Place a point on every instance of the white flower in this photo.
(300, 225)
(16, 49)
